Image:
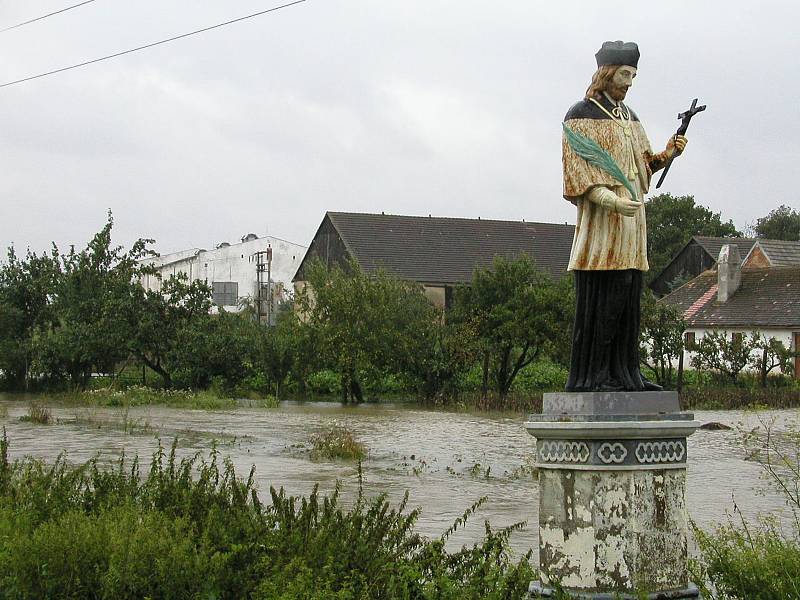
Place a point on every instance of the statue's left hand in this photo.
(676, 144)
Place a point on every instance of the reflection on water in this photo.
(445, 460)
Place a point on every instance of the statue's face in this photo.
(622, 80)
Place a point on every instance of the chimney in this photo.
(729, 272)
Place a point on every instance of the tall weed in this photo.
(191, 528)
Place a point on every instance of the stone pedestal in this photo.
(612, 481)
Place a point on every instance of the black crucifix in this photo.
(685, 118)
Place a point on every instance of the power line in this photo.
(28, 22)
(172, 39)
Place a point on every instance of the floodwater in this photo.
(445, 460)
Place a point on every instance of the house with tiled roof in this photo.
(438, 252)
(698, 255)
(739, 299)
(773, 253)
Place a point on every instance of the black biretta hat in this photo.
(618, 53)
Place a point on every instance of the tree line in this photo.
(66, 317)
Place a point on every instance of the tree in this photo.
(155, 319)
(671, 223)
(359, 321)
(728, 356)
(519, 315)
(661, 338)
(27, 290)
(278, 347)
(783, 223)
(771, 354)
(89, 331)
(217, 347)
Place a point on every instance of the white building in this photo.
(255, 269)
(738, 301)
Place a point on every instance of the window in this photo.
(225, 293)
(688, 339)
(737, 338)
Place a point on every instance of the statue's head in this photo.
(616, 67)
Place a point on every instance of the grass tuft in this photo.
(41, 415)
(336, 441)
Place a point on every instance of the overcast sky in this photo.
(443, 107)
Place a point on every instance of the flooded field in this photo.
(446, 461)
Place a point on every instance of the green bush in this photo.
(325, 382)
(191, 529)
(761, 564)
(761, 560)
(541, 376)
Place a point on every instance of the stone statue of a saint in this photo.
(608, 164)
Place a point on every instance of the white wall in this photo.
(784, 335)
(235, 263)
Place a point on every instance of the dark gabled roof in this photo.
(447, 250)
(713, 245)
(767, 298)
(781, 253)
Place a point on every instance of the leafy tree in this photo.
(214, 347)
(671, 223)
(279, 346)
(155, 319)
(661, 338)
(783, 223)
(359, 322)
(727, 355)
(519, 315)
(27, 288)
(770, 354)
(451, 349)
(88, 330)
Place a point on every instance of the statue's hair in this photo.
(600, 80)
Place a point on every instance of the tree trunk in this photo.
(156, 366)
(355, 391)
(485, 381)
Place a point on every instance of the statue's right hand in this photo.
(610, 201)
(626, 207)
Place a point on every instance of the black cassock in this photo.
(605, 339)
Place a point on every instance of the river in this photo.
(445, 460)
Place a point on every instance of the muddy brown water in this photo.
(445, 460)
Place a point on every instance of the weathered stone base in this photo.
(613, 530)
(538, 590)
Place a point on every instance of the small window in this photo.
(688, 339)
(225, 293)
(737, 338)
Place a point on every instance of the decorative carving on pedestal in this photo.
(661, 452)
(612, 453)
(558, 451)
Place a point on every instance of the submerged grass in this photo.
(192, 528)
(336, 441)
(146, 396)
(41, 415)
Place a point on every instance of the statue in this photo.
(608, 164)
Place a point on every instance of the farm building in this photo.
(440, 253)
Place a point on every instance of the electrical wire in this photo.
(28, 22)
(172, 39)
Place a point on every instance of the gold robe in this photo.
(605, 240)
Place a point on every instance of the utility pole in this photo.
(264, 266)
(269, 284)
